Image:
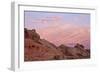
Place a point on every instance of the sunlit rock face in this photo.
(37, 49)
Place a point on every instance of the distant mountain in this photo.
(37, 49)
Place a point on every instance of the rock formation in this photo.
(37, 49)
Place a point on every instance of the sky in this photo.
(60, 28)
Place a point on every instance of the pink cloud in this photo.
(65, 34)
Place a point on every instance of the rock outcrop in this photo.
(37, 49)
(77, 52)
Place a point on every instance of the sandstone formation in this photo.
(37, 49)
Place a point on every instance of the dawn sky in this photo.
(60, 28)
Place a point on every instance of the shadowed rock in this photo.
(26, 35)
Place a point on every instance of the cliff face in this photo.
(37, 49)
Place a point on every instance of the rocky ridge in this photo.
(37, 49)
